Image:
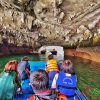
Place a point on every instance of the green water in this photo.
(88, 73)
(4, 60)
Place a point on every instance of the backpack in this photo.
(7, 85)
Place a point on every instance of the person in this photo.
(9, 81)
(11, 66)
(54, 52)
(51, 67)
(66, 81)
(24, 68)
(43, 51)
(39, 82)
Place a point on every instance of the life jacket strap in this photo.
(60, 86)
(71, 96)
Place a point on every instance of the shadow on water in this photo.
(88, 76)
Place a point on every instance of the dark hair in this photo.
(39, 80)
(25, 58)
(50, 57)
(67, 66)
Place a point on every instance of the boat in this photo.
(35, 65)
(57, 51)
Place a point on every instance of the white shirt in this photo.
(56, 78)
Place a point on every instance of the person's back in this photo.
(24, 68)
(66, 81)
(52, 65)
(8, 79)
(51, 68)
(21, 66)
(66, 84)
(39, 82)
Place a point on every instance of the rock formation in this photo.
(70, 23)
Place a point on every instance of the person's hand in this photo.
(27, 71)
(20, 91)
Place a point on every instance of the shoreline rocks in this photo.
(92, 53)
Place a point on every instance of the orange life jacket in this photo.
(62, 97)
(52, 65)
(31, 98)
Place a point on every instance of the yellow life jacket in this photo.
(52, 65)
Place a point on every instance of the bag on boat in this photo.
(7, 85)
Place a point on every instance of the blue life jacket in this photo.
(67, 84)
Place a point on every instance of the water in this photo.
(88, 73)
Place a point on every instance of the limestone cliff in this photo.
(70, 23)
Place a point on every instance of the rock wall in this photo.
(90, 53)
(70, 23)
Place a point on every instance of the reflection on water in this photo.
(42, 57)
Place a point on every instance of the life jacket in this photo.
(62, 96)
(7, 85)
(52, 65)
(49, 95)
(66, 84)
